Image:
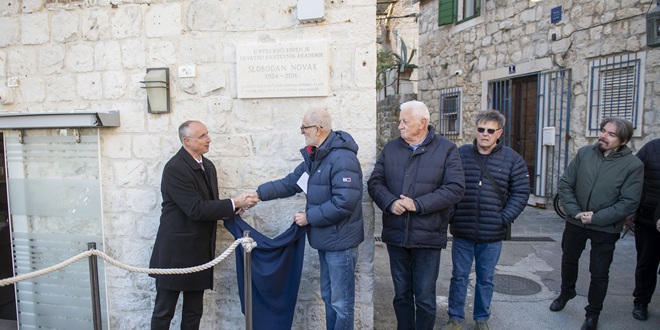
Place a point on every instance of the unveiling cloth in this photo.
(276, 272)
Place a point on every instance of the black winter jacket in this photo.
(480, 216)
(649, 208)
(334, 193)
(432, 176)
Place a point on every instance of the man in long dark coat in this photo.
(187, 232)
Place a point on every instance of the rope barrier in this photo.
(247, 243)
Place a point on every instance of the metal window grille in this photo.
(614, 90)
(450, 112)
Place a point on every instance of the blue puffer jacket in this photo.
(432, 176)
(334, 193)
(649, 207)
(480, 215)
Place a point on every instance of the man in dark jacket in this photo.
(601, 186)
(186, 235)
(647, 230)
(482, 217)
(331, 177)
(417, 179)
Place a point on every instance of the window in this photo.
(450, 112)
(457, 11)
(615, 91)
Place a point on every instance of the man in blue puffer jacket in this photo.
(416, 181)
(483, 216)
(331, 177)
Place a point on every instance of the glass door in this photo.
(54, 195)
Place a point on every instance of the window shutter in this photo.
(445, 12)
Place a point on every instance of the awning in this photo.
(75, 119)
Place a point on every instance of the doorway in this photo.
(537, 108)
(524, 119)
(516, 99)
(7, 296)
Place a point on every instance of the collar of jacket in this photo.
(430, 135)
(622, 151)
(192, 162)
(498, 146)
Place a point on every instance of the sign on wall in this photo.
(282, 69)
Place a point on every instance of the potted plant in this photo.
(385, 62)
(403, 61)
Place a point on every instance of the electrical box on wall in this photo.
(311, 10)
(652, 26)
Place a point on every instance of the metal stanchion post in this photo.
(247, 284)
(94, 285)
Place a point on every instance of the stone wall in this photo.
(88, 55)
(519, 33)
(387, 117)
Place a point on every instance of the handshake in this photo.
(245, 201)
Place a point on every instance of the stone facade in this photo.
(90, 55)
(519, 35)
(397, 21)
(387, 117)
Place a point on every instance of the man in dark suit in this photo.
(187, 232)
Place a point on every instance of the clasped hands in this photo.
(585, 217)
(245, 201)
(402, 205)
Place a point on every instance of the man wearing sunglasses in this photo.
(496, 192)
(601, 186)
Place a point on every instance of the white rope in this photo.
(247, 243)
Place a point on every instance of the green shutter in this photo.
(445, 12)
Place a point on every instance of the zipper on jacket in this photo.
(593, 185)
(406, 240)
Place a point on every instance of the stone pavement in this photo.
(529, 263)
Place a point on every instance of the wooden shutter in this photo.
(445, 12)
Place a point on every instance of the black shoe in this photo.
(559, 303)
(590, 323)
(641, 312)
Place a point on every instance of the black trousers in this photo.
(647, 244)
(165, 305)
(573, 243)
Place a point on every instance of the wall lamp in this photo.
(157, 84)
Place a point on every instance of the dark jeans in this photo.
(600, 259)
(414, 274)
(647, 244)
(165, 304)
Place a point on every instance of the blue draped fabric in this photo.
(276, 271)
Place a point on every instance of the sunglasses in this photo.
(489, 130)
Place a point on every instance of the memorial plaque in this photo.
(282, 69)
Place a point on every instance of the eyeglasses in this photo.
(201, 137)
(489, 130)
(303, 128)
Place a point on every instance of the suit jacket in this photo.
(187, 232)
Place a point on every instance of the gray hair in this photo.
(320, 116)
(490, 115)
(419, 110)
(184, 129)
(624, 128)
